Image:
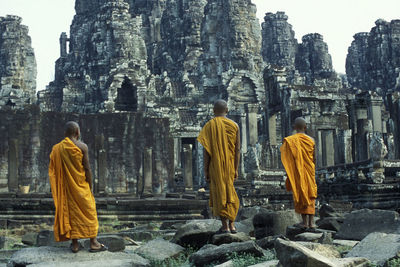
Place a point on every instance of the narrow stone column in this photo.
(361, 142)
(375, 113)
(252, 123)
(188, 166)
(243, 133)
(102, 171)
(348, 150)
(328, 149)
(148, 172)
(13, 165)
(272, 130)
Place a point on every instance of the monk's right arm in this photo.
(86, 165)
(206, 159)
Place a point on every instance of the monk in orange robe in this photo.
(221, 141)
(298, 158)
(71, 187)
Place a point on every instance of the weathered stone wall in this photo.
(105, 68)
(17, 64)
(313, 60)
(279, 42)
(373, 59)
(307, 63)
(116, 145)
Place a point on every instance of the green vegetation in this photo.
(343, 250)
(244, 260)
(181, 260)
(393, 263)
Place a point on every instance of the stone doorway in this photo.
(127, 99)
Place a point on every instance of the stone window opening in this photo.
(126, 96)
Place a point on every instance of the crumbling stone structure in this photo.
(17, 64)
(373, 61)
(143, 76)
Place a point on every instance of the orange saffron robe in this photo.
(218, 137)
(297, 155)
(76, 215)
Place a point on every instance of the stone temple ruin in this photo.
(141, 76)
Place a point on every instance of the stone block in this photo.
(358, 224)
(229, 238)
(273, 223)
(377, 247)
(222, 253)
(159, 250)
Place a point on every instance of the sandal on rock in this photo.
(222, 231)
(100, 249)
(75, 250)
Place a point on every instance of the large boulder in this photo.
(46, 238)
(358, 224)
(196, 233)
(269, 241)
(308, 237)
(328, 251)
(331, 223)
(246, 213)
(377, 247)
(327, 211)
(29, 239)
(273, 222)
(229, 238)
(60, 257)
(292, 254)
(159, 249)
(245, 226)
(222, 253)
(113, 242)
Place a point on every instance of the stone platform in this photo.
(36, 208)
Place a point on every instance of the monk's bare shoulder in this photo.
(82, 146)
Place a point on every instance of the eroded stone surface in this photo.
(45, 256)
(159, 249)
(377, 247)
(17, 64)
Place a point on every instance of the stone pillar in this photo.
(63, 44)
(361, 142)
(243, 133)
(188, 166)
(272, 130)
(147, 172)
(252, 110)
(13, 165)
(348, 150)
(319, 149)
(375, 113)
(102, 171)
(328, 149)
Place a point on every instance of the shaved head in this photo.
(72, 129)
(300, 124)
(220, 107)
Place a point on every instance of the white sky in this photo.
(336, 20)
